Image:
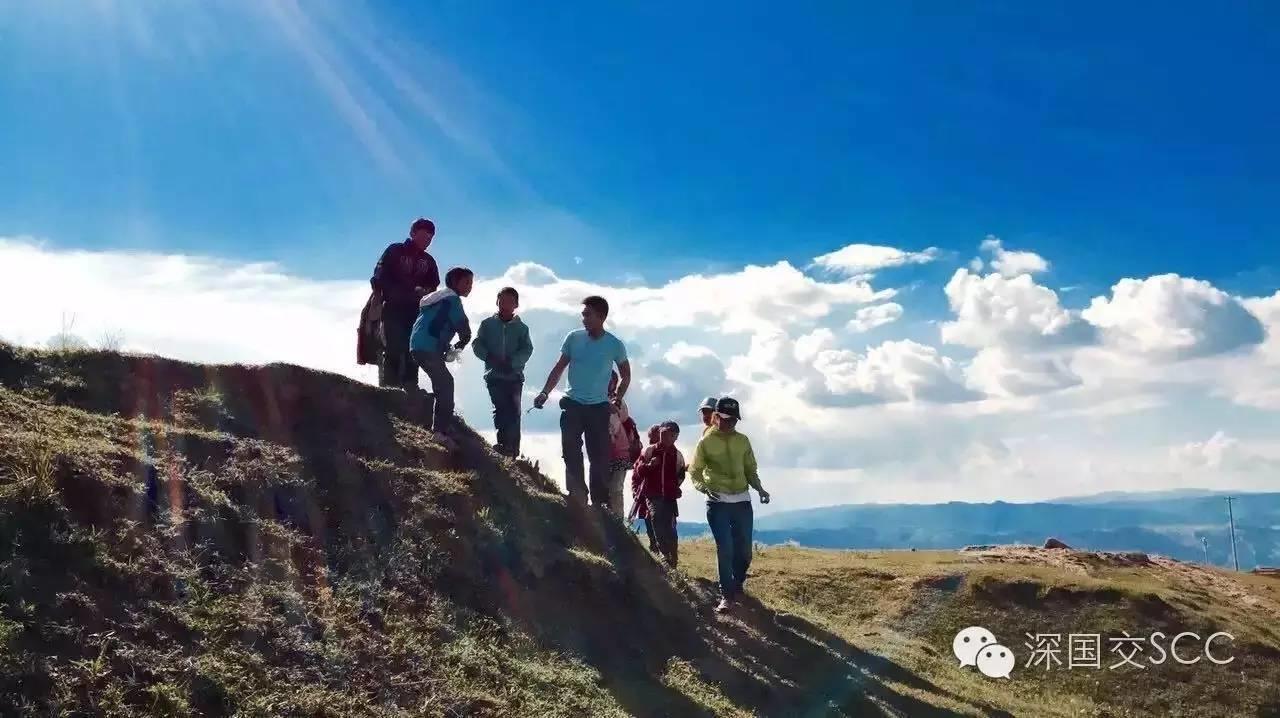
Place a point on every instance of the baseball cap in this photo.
(728, 407)
(709, 403)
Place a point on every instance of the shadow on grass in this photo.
(597, 594)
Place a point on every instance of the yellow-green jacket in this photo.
(724, 464)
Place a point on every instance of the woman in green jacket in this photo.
(724, 468)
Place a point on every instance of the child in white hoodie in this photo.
(440, 317)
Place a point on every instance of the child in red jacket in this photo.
(638, 507)
(661, 469)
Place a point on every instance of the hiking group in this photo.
(410, 322)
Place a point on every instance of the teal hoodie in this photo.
(440, 317)
(497, 338)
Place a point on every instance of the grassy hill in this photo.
(178, 539)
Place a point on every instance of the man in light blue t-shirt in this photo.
(589, 354)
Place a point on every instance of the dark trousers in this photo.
(662, 519)
(505, 394)
(648, 529)
(589, 422)
(731, 526)
(397, 368)
(441, 387)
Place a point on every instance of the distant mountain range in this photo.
(1169, 523)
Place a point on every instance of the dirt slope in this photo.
(178, 539)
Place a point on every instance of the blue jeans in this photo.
(731, 526)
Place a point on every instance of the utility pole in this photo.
(1204, 543)
(1235, 558)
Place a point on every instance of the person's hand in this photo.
(540, 400)
(764, 496)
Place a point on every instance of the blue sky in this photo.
(1119, 141)
(696, 164)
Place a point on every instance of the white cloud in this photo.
(868, 318)
(1221, 453)
(893, 371)
(832, 420)
(1168, 317)
(1011, 263)
(998, 310)
(1253, 380)
(870, 258)
(750, 300)
(1000, 372)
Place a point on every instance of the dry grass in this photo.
(185, 540)
(905, 607)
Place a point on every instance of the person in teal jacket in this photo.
(441, 318)
(503, 344)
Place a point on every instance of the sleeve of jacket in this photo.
(381, 279)
(749, 466)
(480, 346)
(460, 321)
(521, 355)
(433, 275)
(698, 471)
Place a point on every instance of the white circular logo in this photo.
(976, 646)
(996, 661)
(969, 641)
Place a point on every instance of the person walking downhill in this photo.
(440, 318)
(624, 446)
(638, 507)
(503, 344)
(660, 471)
(590, 355)
(724, 468)
(405, 273)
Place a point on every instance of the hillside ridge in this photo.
(183, 539)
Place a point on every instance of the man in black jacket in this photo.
(405, 273)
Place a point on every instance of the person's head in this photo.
(421, 232)
(653, 433)
(594, 311)
(508, 301)
(668, 432)
(707, 409)
(459, 279)
(728, 414)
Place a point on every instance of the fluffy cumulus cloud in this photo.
(1222, 453)
(1168, 317)
(1022, 399)
(893, 371)
(995, 310)
(1009, 263)
(998, 371)
(858, 259)
(868, 318)
(752, 299)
